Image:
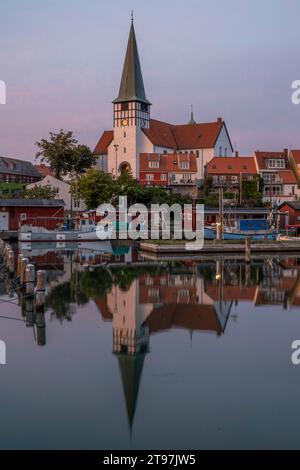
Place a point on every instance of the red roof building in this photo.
(280, 184)
(230, 171)
(169, 170)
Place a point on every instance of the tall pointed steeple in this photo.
(132, 85)
(192, 120)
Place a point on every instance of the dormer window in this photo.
(153, 164)
(184, 165)
(276, 163)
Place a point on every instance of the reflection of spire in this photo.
(131, 368)
(191, 336)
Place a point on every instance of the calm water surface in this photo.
(179, 355)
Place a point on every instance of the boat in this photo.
(256, 229)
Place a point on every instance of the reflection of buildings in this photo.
(151, 304)
(193, 298)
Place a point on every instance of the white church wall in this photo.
(222, 144)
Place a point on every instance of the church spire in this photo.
(132, 85)
(192, 120)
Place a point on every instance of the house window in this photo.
(276, 163)
(153, 164)
(225, 152)
(184, 165)
(149, 176)
(165, 152)
(163, 177)
(124, 106)
(124, 135)
(186, 178)
(124, 149)
(220, 151)
(197, 153)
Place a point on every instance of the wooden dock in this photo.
(222, 246)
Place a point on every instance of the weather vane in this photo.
(131, 16)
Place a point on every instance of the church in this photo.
(135, 135)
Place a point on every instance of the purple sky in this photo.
(62, 62)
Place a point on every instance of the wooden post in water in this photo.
(29, 279)
(40, 290)
(247, 250)
(6, 251)
(11, 261)
(2, 248)
(19, 265)
(40, 307)
(29, 310)
(24, 263)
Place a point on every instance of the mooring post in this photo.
(29, 310)
(19, 266)
(40, 327)
(11, 261)
(40, 290)
(40, 307)
(247, 250)
(2, 247)
(24, 263)
(6, 251)
(29, 279)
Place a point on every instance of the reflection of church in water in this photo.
(156, 303)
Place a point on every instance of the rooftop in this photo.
(31, 203)
(15, 166)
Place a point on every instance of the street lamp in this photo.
(116, 146)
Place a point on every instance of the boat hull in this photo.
(211, 234)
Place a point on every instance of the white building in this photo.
(134, 131)
(63, 192)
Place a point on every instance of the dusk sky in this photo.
(62, 62)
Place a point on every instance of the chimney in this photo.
(236, 153)
(219, 119)
(286, 152)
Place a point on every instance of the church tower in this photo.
(131, 114)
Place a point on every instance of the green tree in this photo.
(94, 188)
(64, 155)
(251, 192)
(40, 192)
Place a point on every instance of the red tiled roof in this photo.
(231, 166)
(44, 170)
(168, 162)
(177, 137)
(287, 177)
(160, 134)
(186, 136)
(261, 158)
(105, 140)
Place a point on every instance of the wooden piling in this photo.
(29, 311)
(248, 250)
(2, 248)
(40, 290)
(19, 265)
(40, 328)
(11, 261)
(29, 279)
(24, 263)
